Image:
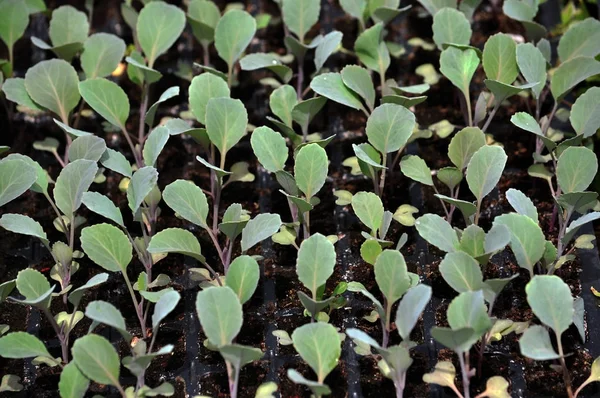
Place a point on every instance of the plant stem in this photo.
(546, 126)
(386, 325)
(59, 334)
(58, 214)
(300, 80)
(382, 179)
(215, 241)
(216, 201)
(78, 116)
(566, 375)
(469, 112)
(491, 116)
(143, 110)
(229, 75)
(138, 308)
(465, 375)
(136, 155)
(443, 204)
(399, 383)
(477, 213)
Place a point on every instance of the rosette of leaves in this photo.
(221, 318)
(395, 360)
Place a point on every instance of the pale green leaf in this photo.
(319, 345)
(107, 246)
(438, 232)
(220, 314)
(159, 25)
(72, 182)
(300, 15)
(270, 148)
(259, 228)
(576, 169)
(233, 33)
(202, 89)
(551, 301)
(242, 277)
(315, 262)
(97, 359)
(187, 200)
(389, 127)
(451, 26)
(107, 99)
(102, 53)
(485, 169)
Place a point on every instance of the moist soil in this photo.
(192, 368)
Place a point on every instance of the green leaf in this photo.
(450, 176)
(176, 240)
(576, 169)
(500, 58)
(354, 8)
(140, 186)
(331, 86)
(370, 250)
(330, 43)
(269, 148)
(318, 389)
(72, 182)
(163, 307)
(535, 344)
(226, 121)
(472, 241)
(527, 122)
(107, 246)
(359, 80)
(107, 99)
(269, 61)
(22, 345)
(456, 340)
(72, 384)
(138, 72)
(88, 147)
(310, 169)
(459, 66)
(41, 183)
(220, 314)
(35, 287)
(438, 232)
(485, 169)
(97, 359)
(468, 310)
(21, 224)
(407, 102)
(53, 85)
(464, 144)
(566, 76)
(154, 144)
(527, 239)
(304, 111)
(240, 355)
(585, 113)
(580, 40)
(159, 25)
(576, 224)
(106, 313)
(433, 6)
(369, 209)
(259, 228)
(410, 308)
(520, 10)
(300, 15)
(372, 51)
(461, 272)
(391, 275)
(15, 91)
(319, 346)
(102, 53)
(203, 16)
(315, 262)
(202, 89)
(389, 127)
(282, 101)
(416, 169)
(187, 200)
(77, 294)
(451, 26)
(503, 91)
(444, 372)
(68, 25)
(233, 33)
(16, 177)
(115, 161)
(551, 301)
(242, 277)
(532, 65)
(14, 18)
(369, 160)
(522, 204)
(166, 95)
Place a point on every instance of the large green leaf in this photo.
(576, 169)
(53, 85)
(14, 18)
(226, 121)
(72, 182)
(22, 224)
(485, 169)
(372, 51)
(203, 16)
(220, 314)
(585, 113)
(187, 200)
(522, 204)
(106, 98)
(233, 33)
(319, 345)
(532, 65)
(582, 39)
(551, 301)
(461, 272)
(391, 275)
(242, 277)
(203, 88)
(459, 66)
(416, 169)
(500, 59)
(68, 25)
(107, 314)
(310, 169)
(97, 359)
(22, 345)
(102, 53)
(315, 262)
(389, 127)
(527, 239)
(159, 25)
(72, 384)
(410, 308)
(259, 228)
(359, 80)
(451, 26)
(88, 147)
(331, 86)
(107, 246)
(464, 144)
(16, 177)
(468, 310)
(269, 148)
(535, 344)
(176, 240)
(571, 73)
(282, 102)
(15, 91)
(437, 231)
(300, 15)
(369, 209)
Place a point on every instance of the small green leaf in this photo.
(532, 65)
(566, 76)
(585, 113)
(310, 169)
(187, 200)
(220, 314)
(330, 43)
(456, 340)
(269, 61)
(77, 294)
(407, 102)
(315, 262)
(300, 15)
(159, 25)
(68, 25)
(576, 169)
(233, 33)
(16, 177)
(443, 374)
(24, 225)
(72, 182)
(166, 95)
(270, 148)
(389, 127)
(240, 355)
(461, 272)
(318, 389)
(459, 66)
(259, 228)
(535, 344)
(371, 49)
(107, 246)
(203, 16)
(53, 85)
(520, 10)
(391, 275)
(369, 209)
(164, 306)
(527, 239)
(304, 111)
(416, 169)
(154, 144)
(88, 147)
(102, 53)
(522, 204)
(359, 80)
(500, 58)
(115, 161)
(438, 232)
(370, 250)
(97, 359)
(14, 18)
(176, 240)
(319, 345)
(551, 301)
(138, 72)
(15, 91)
(140, 186)
(331, 86)
(527, 122)
(72, 384)
(22, 345)
(354, 8)
(451, 26)
(450, 176)
(485, 169)
(468, 310)
(203, 88)
(226, 121)
(580, 40)
(282, 101)
(242, 277)
(106, 313)
(410, 308)
(404, 214)
(106, 98)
